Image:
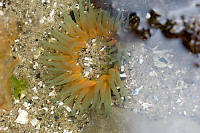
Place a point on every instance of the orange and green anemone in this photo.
(65, 70)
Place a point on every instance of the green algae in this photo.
(18, 85)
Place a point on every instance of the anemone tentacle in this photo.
(64, 69)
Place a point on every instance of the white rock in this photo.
(22, 117)
(61, 103)
(52, 112)
(68, 109)
(145, 105)
(51, 13)
(45, 108)
(122, 68)
(16, 101)
(141, 60)
(66, 131)
(34, 122)
(38, 126)
(148, 15)
(27, 105)
(123, 75)
(153, 74)
(5, 128)
(88, 59)
(35, 97)
(53, 93)
(86, 64)
(137, 90)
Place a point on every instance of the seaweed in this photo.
(8, 33)
(18, 85)
(190, 34)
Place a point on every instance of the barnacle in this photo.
(94, 29)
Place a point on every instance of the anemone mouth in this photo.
(80, 64)
(94, 59)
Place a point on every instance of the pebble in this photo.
(68, 109)
(123, 75)
(122, 68)
(153, 74)
(155, 97)
(34, 122)
(27, 105)
(145, 105)
(22, 117)
(35, 89)
(53, 93)
(137, 90)
(141, 60)
(148, 15)
(35, 97)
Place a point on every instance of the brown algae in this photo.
(8, 33)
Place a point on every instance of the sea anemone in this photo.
(94, 29)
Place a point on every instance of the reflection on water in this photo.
(162, 77)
